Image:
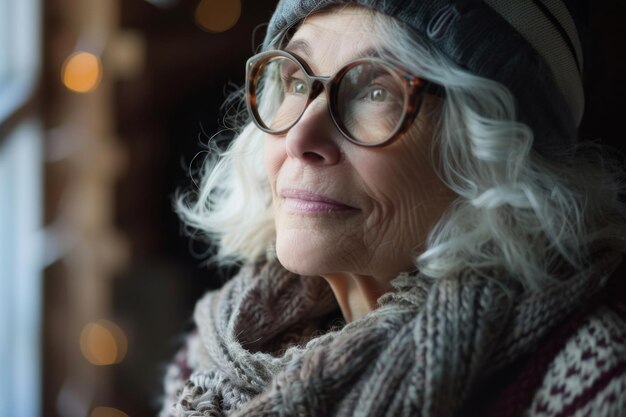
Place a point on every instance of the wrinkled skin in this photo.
(393, 195)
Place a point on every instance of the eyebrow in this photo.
(303, 47)
(299, 45)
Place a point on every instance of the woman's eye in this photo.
(377, 94)
(299, 87)
(294, 85)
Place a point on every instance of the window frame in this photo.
(21, 182)
(20, 91)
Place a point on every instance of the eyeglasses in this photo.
(371, 101)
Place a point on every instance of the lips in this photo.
(307, 202)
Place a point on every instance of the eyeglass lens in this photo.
(369, 102)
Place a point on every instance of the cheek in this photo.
(391, 202)
(406, 194)
(274, 155)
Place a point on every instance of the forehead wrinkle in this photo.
(316, 56)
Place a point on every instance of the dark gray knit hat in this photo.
(532, 47)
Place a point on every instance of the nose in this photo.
(314, 139)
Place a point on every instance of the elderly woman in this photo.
(420, 234)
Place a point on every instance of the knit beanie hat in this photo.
(532, 47)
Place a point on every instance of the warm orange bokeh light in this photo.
(82, 72)
(103, 343)
(218, 15)
(107, 412)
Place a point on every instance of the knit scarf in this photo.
(262, 348)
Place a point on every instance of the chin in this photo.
(301, 255)
(296, 259)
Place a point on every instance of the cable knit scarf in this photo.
(260, 350)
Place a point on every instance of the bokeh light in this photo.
(107, 412)
(103, 343)
(82, 72)
(218, 15)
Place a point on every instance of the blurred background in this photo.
(103, 106)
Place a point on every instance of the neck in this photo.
(356, 294)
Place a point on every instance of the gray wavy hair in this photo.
(517, 214)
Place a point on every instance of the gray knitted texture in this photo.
(259, 351)
(542, 75)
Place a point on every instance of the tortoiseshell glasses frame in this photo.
(414, 90)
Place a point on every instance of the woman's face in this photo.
(339, 207)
